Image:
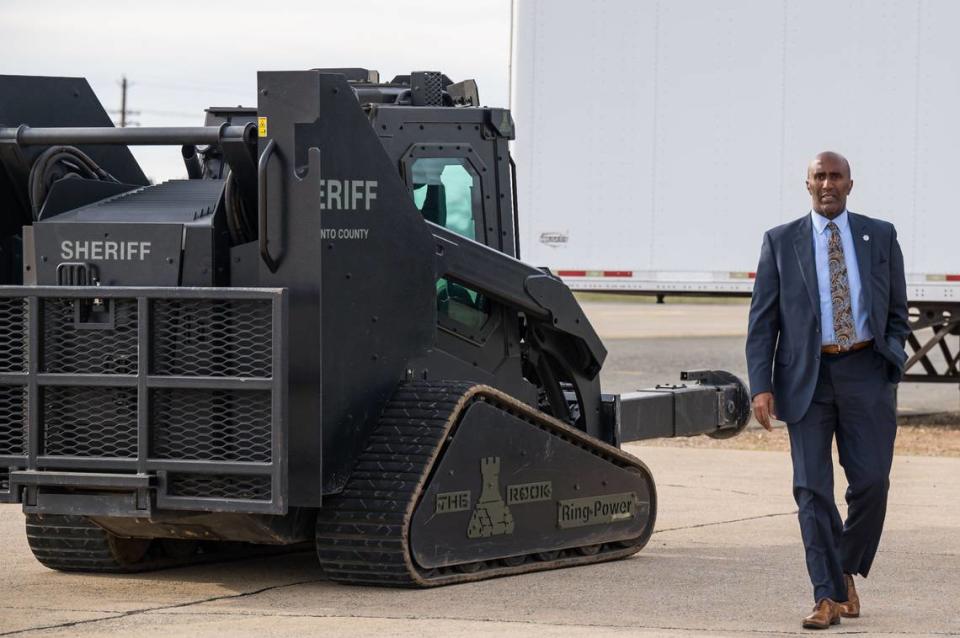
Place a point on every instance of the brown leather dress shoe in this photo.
(825, 613)
(851, 608)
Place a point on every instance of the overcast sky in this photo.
(181, 57)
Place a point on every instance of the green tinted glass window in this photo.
(447, 191)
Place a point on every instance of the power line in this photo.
(163, 113)
(199, 88)
(179, 83)
(124, 112)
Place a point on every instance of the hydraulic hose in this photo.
(239, 221)
(59, 162)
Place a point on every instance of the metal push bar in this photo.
(146, 136)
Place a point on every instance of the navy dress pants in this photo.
(854, 402)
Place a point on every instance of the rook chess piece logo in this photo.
(491, 516)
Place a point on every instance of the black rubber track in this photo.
(363, 533)
(75, 544)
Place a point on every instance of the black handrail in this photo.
(268, 259)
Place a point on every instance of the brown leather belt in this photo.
(835, 349)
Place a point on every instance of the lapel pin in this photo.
(866, 238)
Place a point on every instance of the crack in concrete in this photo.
(779, 632)
(166, 609)
(734, 520)
(909, 553)
(146, 610)
(85, 611)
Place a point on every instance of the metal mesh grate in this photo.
(433, 88)
(68, 349)
(209, 337)
(254, 488)
(211, 425)
(426, 88)
(13, 330)
(81, 421)
(13, 420)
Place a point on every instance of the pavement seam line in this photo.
(735, 520)
(145, 610)
(162, 609)
(909, 553)
(558, 624)
(85, 611)
(507, 621)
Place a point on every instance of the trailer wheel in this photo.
(74, 544)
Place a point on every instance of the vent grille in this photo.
(211, 425)
(426, 88)
(232, 486)
(13, 420)
(209, 337)
(433, 88)
(71, 350)
(13, 345)
(81, 421)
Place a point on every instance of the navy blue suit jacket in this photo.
(783, 338)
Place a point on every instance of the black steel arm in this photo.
(712, 402)
(540, 296)
(564, 348)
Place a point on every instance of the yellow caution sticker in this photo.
(262, 126)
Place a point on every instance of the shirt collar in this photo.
(820, 222)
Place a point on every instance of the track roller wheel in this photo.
(514, 561)
(547, 556)
(470, 568)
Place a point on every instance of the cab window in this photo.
(446, 190)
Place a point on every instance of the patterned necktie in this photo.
(844, 331)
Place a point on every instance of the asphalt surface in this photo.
(651, 343)
(726, 559)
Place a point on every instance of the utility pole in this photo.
(124, 112)
(123, 101)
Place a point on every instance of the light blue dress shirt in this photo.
(821, 250)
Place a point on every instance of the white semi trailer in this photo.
(657, 140)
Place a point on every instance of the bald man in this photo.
(825, 351)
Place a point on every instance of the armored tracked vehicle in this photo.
(325, 334)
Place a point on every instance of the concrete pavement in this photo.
(627, 319)
(726, 561)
